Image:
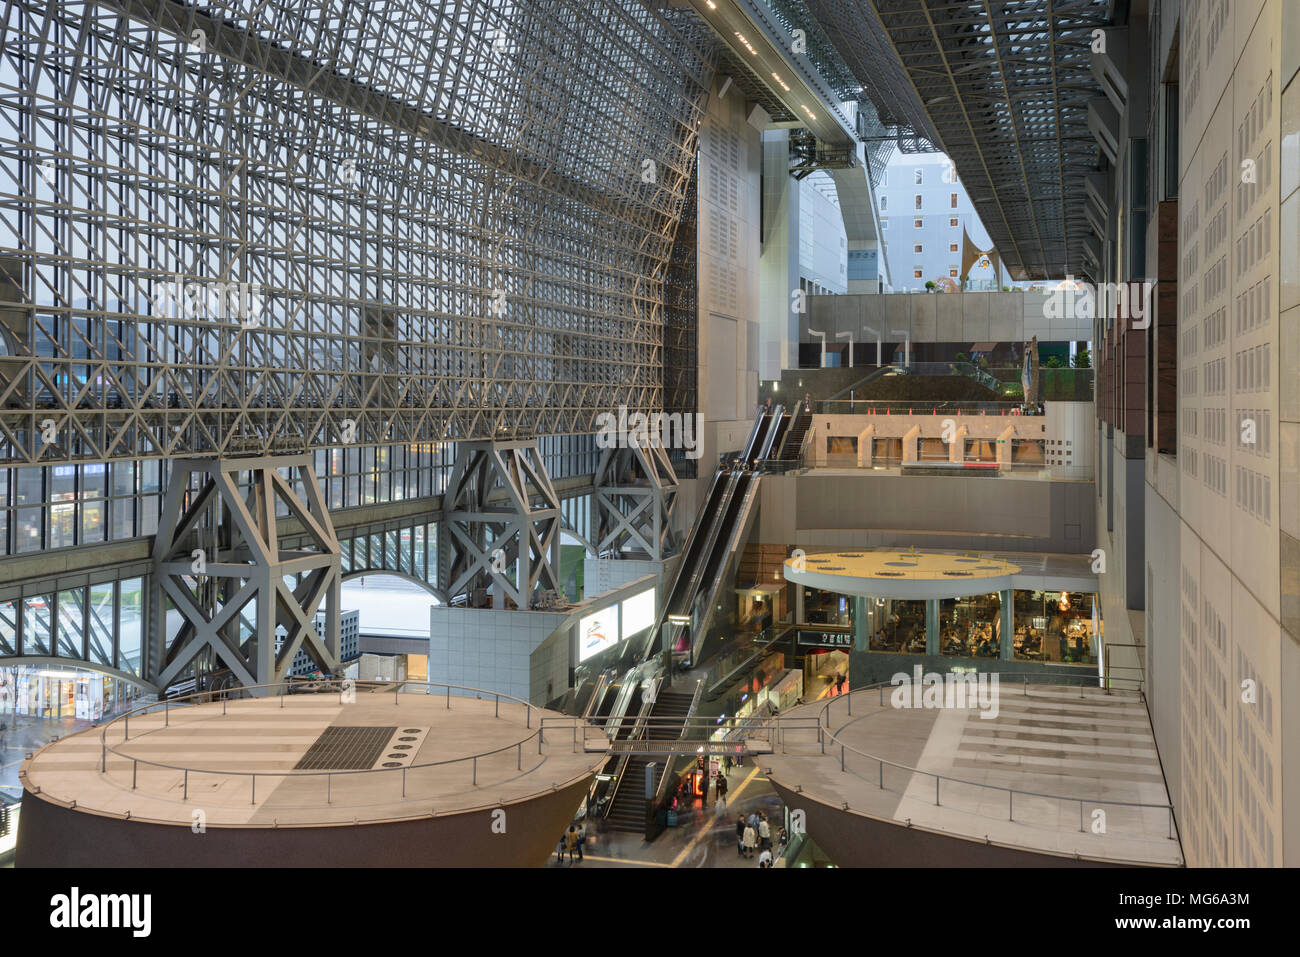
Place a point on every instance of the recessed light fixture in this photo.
(741, 38)
(778, 79)
(811, 114)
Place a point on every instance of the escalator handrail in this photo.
(638, 731)
(731, 543)
(715, 529)
(778, 415)
(689, 564)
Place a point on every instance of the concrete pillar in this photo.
(957, 447)
(1008, 624)
(910, 438)
(861, 634)
(1004, 445)
(864, 446)
(932, 626)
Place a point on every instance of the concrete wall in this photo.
(56, 836)
(487, 648)
(833, 511)
(852, 839)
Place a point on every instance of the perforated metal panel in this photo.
(346, 748)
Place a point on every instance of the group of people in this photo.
(980, 643)
(753, 834)
(571, 841)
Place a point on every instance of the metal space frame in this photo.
(1002, 87)
(263, 226)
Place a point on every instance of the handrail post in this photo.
(575, 739)
(135, 768)
(103, 756)
(403, 782)
(822, 738)
(882, 774)
(254, 798)
(841, 757)
(475, 780)
(126, 734)
(395, 692)
(167, 714)
(448, 697)
(936, 790)
(329, 788)
(1080, 817)
(498, 712)
(519, 756)
(185, 792)
(850, 702)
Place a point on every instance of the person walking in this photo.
(722, 789)
(839, 683)
(764, 833)
(571, 842)
(750, 840)
(740, 836)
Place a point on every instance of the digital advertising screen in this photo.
(597, 631)
(639, 612)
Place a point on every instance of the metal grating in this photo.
(346, 748)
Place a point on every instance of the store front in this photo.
(1061, 627)
(971, 627)
(43, 692)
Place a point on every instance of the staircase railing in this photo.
(661, 795)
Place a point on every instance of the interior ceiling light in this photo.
(778, 79)
(742, 39)
(712, 5)
(811, 114)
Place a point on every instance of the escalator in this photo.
(792, 441)
(690, 622)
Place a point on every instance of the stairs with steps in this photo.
(627, 812)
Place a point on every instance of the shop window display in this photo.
(1056, 626)
(971, 627)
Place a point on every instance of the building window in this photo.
(952, 271)
(884, 203)
(916, 272)
(953, 199)
(918, 200)
(918, 176)
(917, 222)
(884, 222)
(916, 248)
(884, 178)
(953, 221)
(952, 247)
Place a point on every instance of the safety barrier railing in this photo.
(181, 706)
(826, 738)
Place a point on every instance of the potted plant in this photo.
(929, 285)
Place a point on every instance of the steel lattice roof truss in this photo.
(279, 225)
(1002, 87)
